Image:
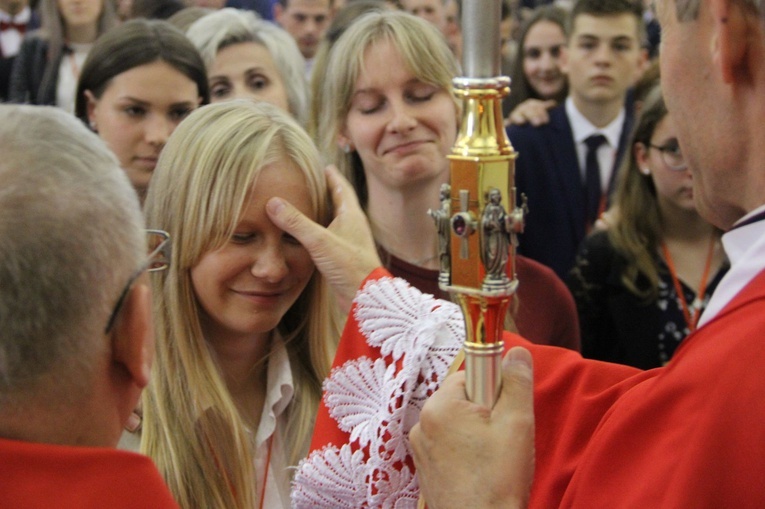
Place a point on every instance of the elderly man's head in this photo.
(71, 240)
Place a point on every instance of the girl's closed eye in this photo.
(242, 237)
(289, 239)
(367, 103)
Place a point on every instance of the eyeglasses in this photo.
(671, 155)
(158, 259)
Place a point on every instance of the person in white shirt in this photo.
(246, 327)
(48, 65)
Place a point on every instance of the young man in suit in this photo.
(76, 339)
(566, 168)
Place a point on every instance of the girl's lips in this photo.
(602, 80)
(405, 148)
(147, 162)
(259, 297)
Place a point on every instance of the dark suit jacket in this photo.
(34, 77)
(547, 172)
(6, 63)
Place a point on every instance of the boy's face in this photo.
(604, 58)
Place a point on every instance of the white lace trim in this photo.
(377, 401)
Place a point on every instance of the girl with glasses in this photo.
(641, 285)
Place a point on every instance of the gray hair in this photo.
(71, 234)
(688, 10)
(226, 27)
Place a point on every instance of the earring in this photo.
(645, 171)
(92, 125)
(347, 148)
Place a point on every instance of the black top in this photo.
(617, 326)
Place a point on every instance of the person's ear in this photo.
(640, 152)
(92, 104)
(345, 144)
(278, 11)
(731, 30)
(133, 336)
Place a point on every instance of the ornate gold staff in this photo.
(477, 233)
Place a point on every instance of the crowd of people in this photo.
(305, 353)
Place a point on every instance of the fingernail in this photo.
(518, 356)
(275, 205)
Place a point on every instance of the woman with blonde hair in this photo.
(390, 121)
(245, 325)
(247, 57)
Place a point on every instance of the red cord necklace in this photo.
(265, 474)
(691, 318)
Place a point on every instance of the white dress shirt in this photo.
(279, 393)
(10, 40)
(582, 129)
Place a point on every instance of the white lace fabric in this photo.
(412, 339)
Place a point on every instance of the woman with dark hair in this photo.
(49, 62)
(537, 79)
(139, 81)
(641, 284)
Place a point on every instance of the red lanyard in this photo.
(265, 475)
(691, 319)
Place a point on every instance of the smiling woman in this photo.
(389, 123)
(139, 81)
(245, 325)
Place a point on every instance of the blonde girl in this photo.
(245, 324)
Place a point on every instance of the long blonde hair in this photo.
(422, 47)
(192, 429)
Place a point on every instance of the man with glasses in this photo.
(76, 340)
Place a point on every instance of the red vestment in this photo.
(45, 476)
(688, 435)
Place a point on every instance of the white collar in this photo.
(745, 248)
(23, 17)
(279, 389)
(583, 128)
